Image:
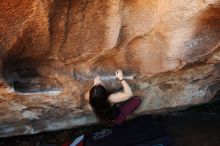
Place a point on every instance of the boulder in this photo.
(50, 52)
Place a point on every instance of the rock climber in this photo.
(112, 107)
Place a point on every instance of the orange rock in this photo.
(52, 50)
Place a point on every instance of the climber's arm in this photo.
(121, 96)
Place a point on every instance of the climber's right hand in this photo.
(119, 74)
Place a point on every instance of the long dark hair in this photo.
(98, 99)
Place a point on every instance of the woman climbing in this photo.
(105, 104)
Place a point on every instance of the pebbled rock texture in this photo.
(51, 50)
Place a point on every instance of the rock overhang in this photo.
(52, 50)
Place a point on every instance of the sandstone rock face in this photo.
(51, 51)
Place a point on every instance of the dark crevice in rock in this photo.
(22, 75)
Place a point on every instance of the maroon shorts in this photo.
(127, 108)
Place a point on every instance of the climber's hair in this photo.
(98, 100)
